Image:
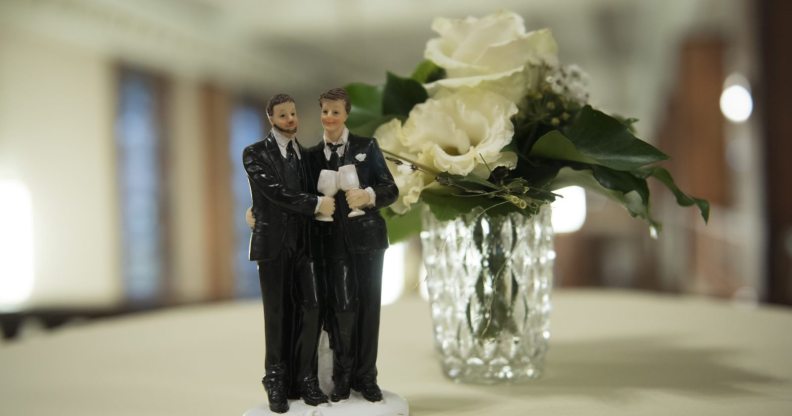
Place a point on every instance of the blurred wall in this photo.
(58, 63)
(56, 129)
(187, 190)
(57, 113)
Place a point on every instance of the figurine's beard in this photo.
(287, 131)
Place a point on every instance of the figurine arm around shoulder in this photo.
(326, 206)
(263, 178)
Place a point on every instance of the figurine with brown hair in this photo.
(279, 183)
(351, 248)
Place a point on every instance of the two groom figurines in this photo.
(316, 274)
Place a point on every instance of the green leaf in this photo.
(401, 95)
(365, 98)
(610, 142)
(538, 171)
(554, 145)
(682, 199)
(427, 71)
(366, 109)
(402, 227)
(447, 207)
(623, 182)
(373, 106)
(628, 122)
(367, 127)
(468, 181)
(623, 187)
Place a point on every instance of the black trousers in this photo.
(292, 315)
(354, 282)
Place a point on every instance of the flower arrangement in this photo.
(491, 119)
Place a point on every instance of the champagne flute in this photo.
(348, 180)
(328, 186)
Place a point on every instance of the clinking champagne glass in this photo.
(348, 180)
(328, 186)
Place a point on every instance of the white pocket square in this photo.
(360, 157)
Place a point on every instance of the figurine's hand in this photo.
(326, 205)
(251, 220)
(357, 198)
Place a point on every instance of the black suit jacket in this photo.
(282, 212)
(366, 232)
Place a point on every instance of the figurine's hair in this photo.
(334, 95)
(278, 99)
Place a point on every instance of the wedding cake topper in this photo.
(344, 248)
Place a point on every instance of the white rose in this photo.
(409, 181)
(410, 185)
(493, 52)
(460, 133)
(463, 132)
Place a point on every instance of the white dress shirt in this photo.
(283, 143)
(283, 146)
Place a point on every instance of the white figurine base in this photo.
(391, 405)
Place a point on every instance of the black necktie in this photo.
(291, 157)
(333, 163)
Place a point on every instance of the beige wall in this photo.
(56, 114)
(187, 185)
(57, 109)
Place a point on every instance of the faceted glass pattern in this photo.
(489, 281)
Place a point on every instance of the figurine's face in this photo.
(284, 118)
(334, 116)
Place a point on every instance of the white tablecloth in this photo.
(611, 353)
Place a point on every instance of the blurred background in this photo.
(122, 125)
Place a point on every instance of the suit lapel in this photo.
(351, 150)
(357, 146)
(304, 161)
(320, 159)
(271, 147)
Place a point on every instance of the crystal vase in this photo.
(489, 281)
